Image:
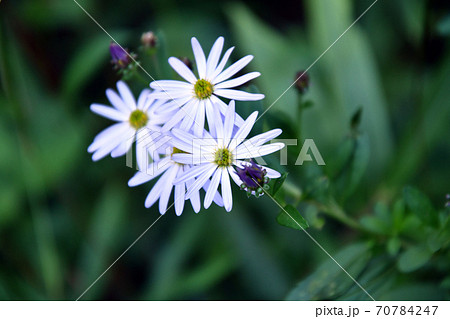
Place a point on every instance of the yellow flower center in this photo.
(223, 157)
(203, 89)
(138, 119)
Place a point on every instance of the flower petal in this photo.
(200, 181)
(109, 112)
(126, 95)
(192, 173)
(221, 65)
(110, 133)
(213, 57)
(179, 198)
(162, 85)
(237, 81)
(167, 190)
(233, 69)
(195, 198)
(226, 190)
(182, 70)
(238, 95)
(244, 130)
(153, 170)
(257, 151)
(212, 189)
(229, 123)
(200, 59)
(117, 101)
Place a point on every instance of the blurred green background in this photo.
(64, 219)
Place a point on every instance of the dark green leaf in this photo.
(290, 217)
(414, 258)
(278, 183)
(420, 205)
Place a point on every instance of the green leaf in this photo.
(329, 281)
(414, 258)
(290, 217)
(393, 246)
(278, 183)
(420, 205)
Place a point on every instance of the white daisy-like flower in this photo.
(199, 95)
(162, 189)
(135, 122)
(217, 157)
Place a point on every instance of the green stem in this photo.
(332, 209)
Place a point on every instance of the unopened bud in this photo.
(149, 40)
(186, 61)
(302, 81)
(254, 179)
(120, 57)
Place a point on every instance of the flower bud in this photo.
(149, 40)
(302, 81)
(188, 62)
(254, 179)
(120, 57)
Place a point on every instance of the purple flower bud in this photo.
(253, 178)
(120, 57)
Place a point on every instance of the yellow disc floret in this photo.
(138, 119)
(203, 89)
(223, 157)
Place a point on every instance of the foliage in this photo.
(377, 108)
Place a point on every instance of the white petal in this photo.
(162, 85)
(143, 99)
(125, 146)
(228, 124)
(153, 170)
(174, 120)
(237, 81)
(233, 69)
(167, 190)
(218, 122)
(109, 112)
(238, 95)
(105, 149)
(257, 151)
(200, 59)
(190, 114)
(126, 95)
(200, 181)
(212, 189)
(209, 108)
(244, 130)
(182, 70)
(271, 173)
(195, 197)
(190, 159)
(144, 142)
(226, 190)
(192, 173)
(110, 133)
(221, 65)
(217, 198)
(213, 57)
(154, 194)
(234, 176)
(171, 94)
(117, 101)
(179, 198)
(260, 139)
(199, 123)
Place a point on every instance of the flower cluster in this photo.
(168, 125)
